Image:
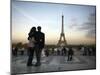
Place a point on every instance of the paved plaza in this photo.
(53, 63)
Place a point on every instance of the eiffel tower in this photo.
(62, 40)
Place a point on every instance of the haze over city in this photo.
(79, 22)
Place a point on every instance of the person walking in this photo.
(70, 54)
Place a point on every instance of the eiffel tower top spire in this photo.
(62, 24)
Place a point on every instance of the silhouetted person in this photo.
(70, 54)
(58, 52)
(22, 51)
(67, 51)
(94, 51)
(85, 51)
(90, 51)
(40, 42)
(31, 45)
(15, 51)
(64, 51)
(52, 51)
(47, 52)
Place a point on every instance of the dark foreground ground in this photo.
(53, 63)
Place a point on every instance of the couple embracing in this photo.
(36, 43)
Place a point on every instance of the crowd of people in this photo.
(18, 51)
(88, 51)
(46, 52)
(63, 51)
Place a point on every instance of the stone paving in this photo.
(53, 63)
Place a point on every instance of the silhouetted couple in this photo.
(36, 44)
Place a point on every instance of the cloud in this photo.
(91, 33)
(74, 24)
(89, 26)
